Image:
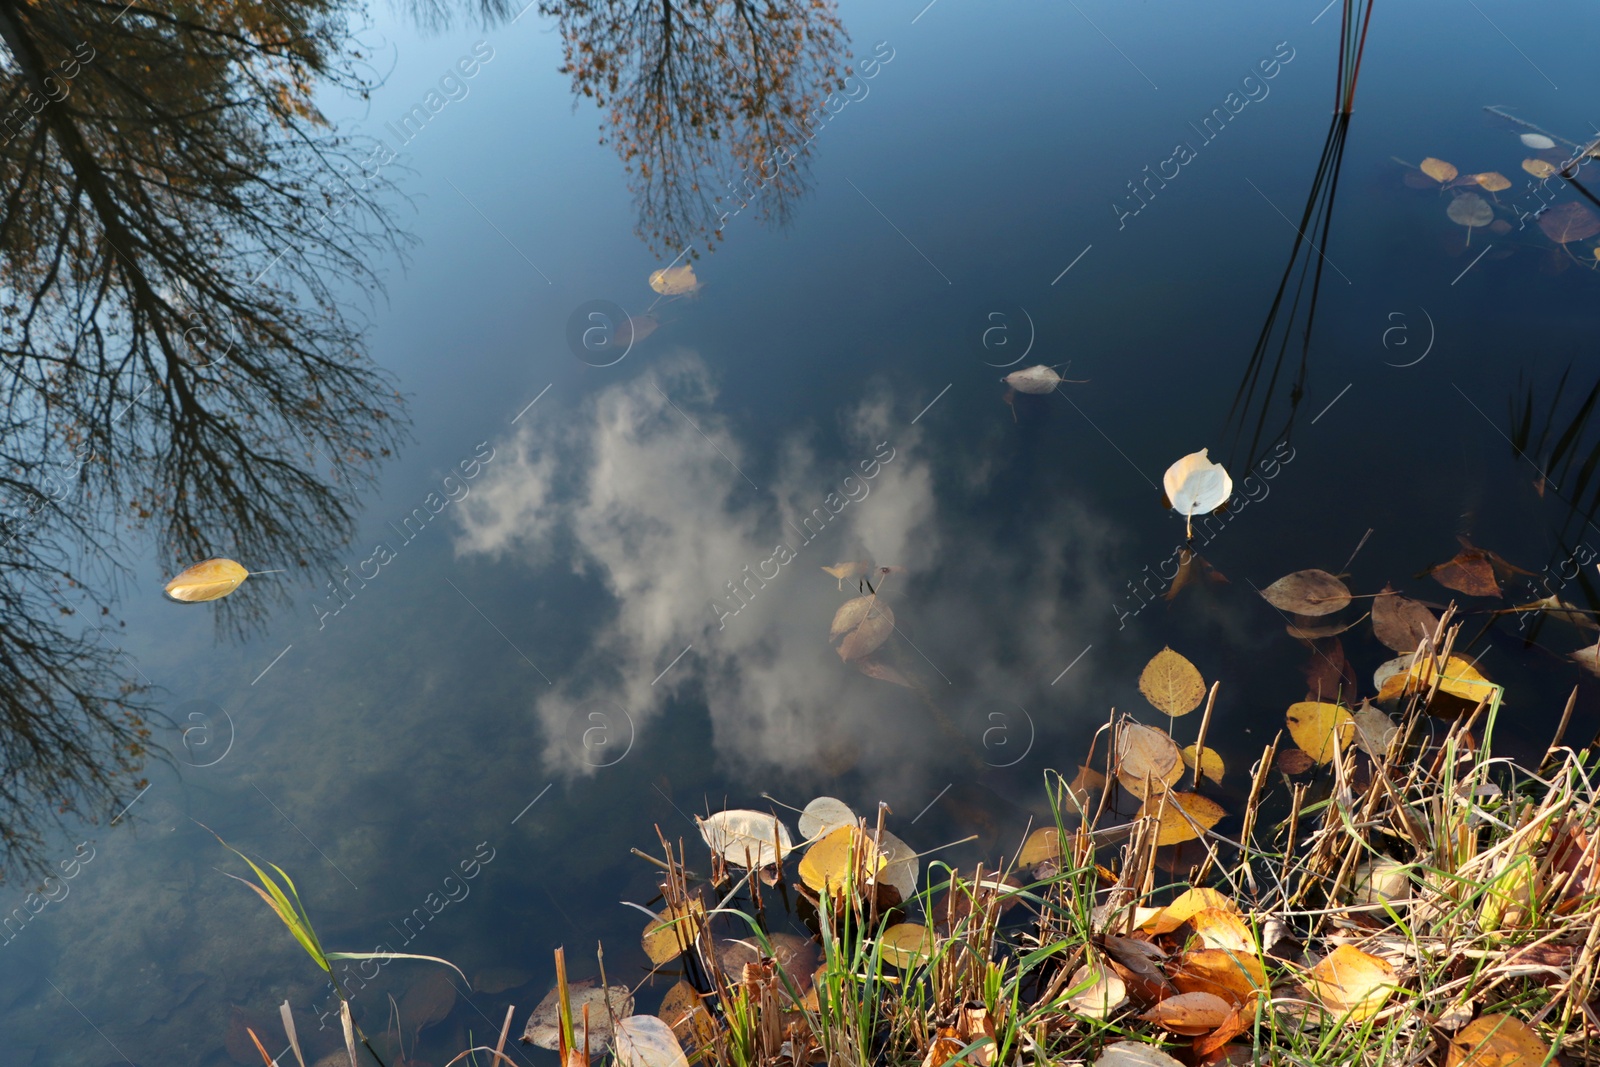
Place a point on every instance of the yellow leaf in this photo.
(1538, 168)
(828, 865)
(1190, 1014)
(1171, 683)
(1210, 763)
(905, 945)
(1235, 976)
(1044, 844)
(1187, 904)
(1509, 900)
(1351, 983)
(1497, 1041)
(1144, 752)
(1184, 816)
(683, 1010)
(1099, 992)
(1492, 180)
(1459, 678)
(1312, 724)
(669, 933)
(1438, 169)
(1223, 928)
(211, 579)
(674, 281)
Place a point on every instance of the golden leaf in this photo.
(1312, 724)
(1144, 752)
(1497, 1041)
(1492, 180)
(1190, 1014)
(210, 579)
(1538, 168)
(674, 281)
(1459, 678)
(1171, 683)
(1351, 983)
(1234, 976)
(905, 945)
(1099, 992)
(1308, 592)
(1188, 904)
(1438, 170)
(669, 933)
(828, 865)
(1184, 816)
(1044, 844)
(849, 571)
(1223, 928)
(1210, 763)
(865, 623)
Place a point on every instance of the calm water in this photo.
(547, 668)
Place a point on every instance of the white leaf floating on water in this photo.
(903, 866)
(674, 281)
(1194, 484)
(1537, 141)
(1040, 379)
(824, 814)
(646, 1041)
(743, 836)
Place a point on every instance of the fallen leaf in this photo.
(1492, 180)
(1144, 752)
(1081, 790)
(1351, 983)
(1469, 210)
(1400, 622)
(499, 979)
(1183, 816)
(873, 668)
(1374, 730)
(1438, 169)
(1308, 592)
(1293, 761)
(1538, 168)
(1309, 630)
(1191, 567)
(1459, 679)
(210, 579)
(865, 622)
(824, 814)
(1237, 977)
(674, 281)
(1134, 1054)
(745, 838)
(828, 866)
(1329, 675)
(900, 867)
(943, 1048)
(646, 1041)
(906, 945)
(1497, 1041)
(683, 1010)
(428, 1000)
(1537, 141)
(669, 934)
(1568, 222)
(1223, 928)
(1040, 379)
(850, 571)
(1588, 658)
(1100, 992)
(544, 1025)
(1184, 907)
(1381, 880)
(1210, 763)
(1312, 724)
(1041, 846)
(1190, 1014)
(1195, 485)
(1172, 684)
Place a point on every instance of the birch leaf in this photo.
(646, 1041)
(1183, 816)
(1100, 992)
(1438, 169)
(1469, 210)
(1351, 983)
(1134, 1054)
(1400, 622)
(674, 281)
(1196, 485)
(1144, 752)
(210, 579)
(865, 623)
(1538, 168)
(1497, 1041)
(824, 814)
(1312, 724)
(1308, 592)
(1537, 141)
(743, 836)
(1040, 379)
(544, 1025)
(850, 571)
(1171, 683)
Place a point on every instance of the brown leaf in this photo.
(865, 623)
(1569, 222)
(1329, 675)
(1190, 1014)
(1308, 629)
(1308, 592)
(1400, 622)
(1193, 567)
(1469, 572)
(883, 672)
(1438, 169)
(1294, 761)
(428, 1000)
(1237, 1022)
(1144, 753)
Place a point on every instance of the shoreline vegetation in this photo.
(1390, 892)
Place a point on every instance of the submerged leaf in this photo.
(1569, 222)
(1492, 180)
(544, 1025)
(906, 945)
(1470, 572)
(1538, 168)
(1469, 210)
(210, 579)
(1400, 622)
(1171, 683)
(1308, 592)
(1438, 169)
(865, 623)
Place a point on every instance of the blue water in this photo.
(549, 667)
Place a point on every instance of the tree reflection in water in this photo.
(177, 227)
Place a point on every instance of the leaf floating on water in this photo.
(1492, 180)
(1374, 730)
(1569, 222)
(674, 281)
(1351, 983)
(1186, 906)
(1308, 630)
(1401, 623)
(901, 865)
(850, 571)
(828, 866)
(906, 945)
(1308, 592)
(1211, 765)
(865, 623)
(1042, 846)
(1588, 658)
(1459, 678)
(1538, 168)
(544, 1025)
(1040, 379)
(428, 1000)
(1438, 169)
(1469, 210)
(683, 1010)
(1537, 141)
(883, 672)
(1312, 724)
(670, 933)
(1182, 816)
(210, 579)
(824, 814)
(1497, 1041)
(1195, 485)
(646, 1041)
(1171, 683)
(1144, 752)
(741, 835)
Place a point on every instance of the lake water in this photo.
(598, 608)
